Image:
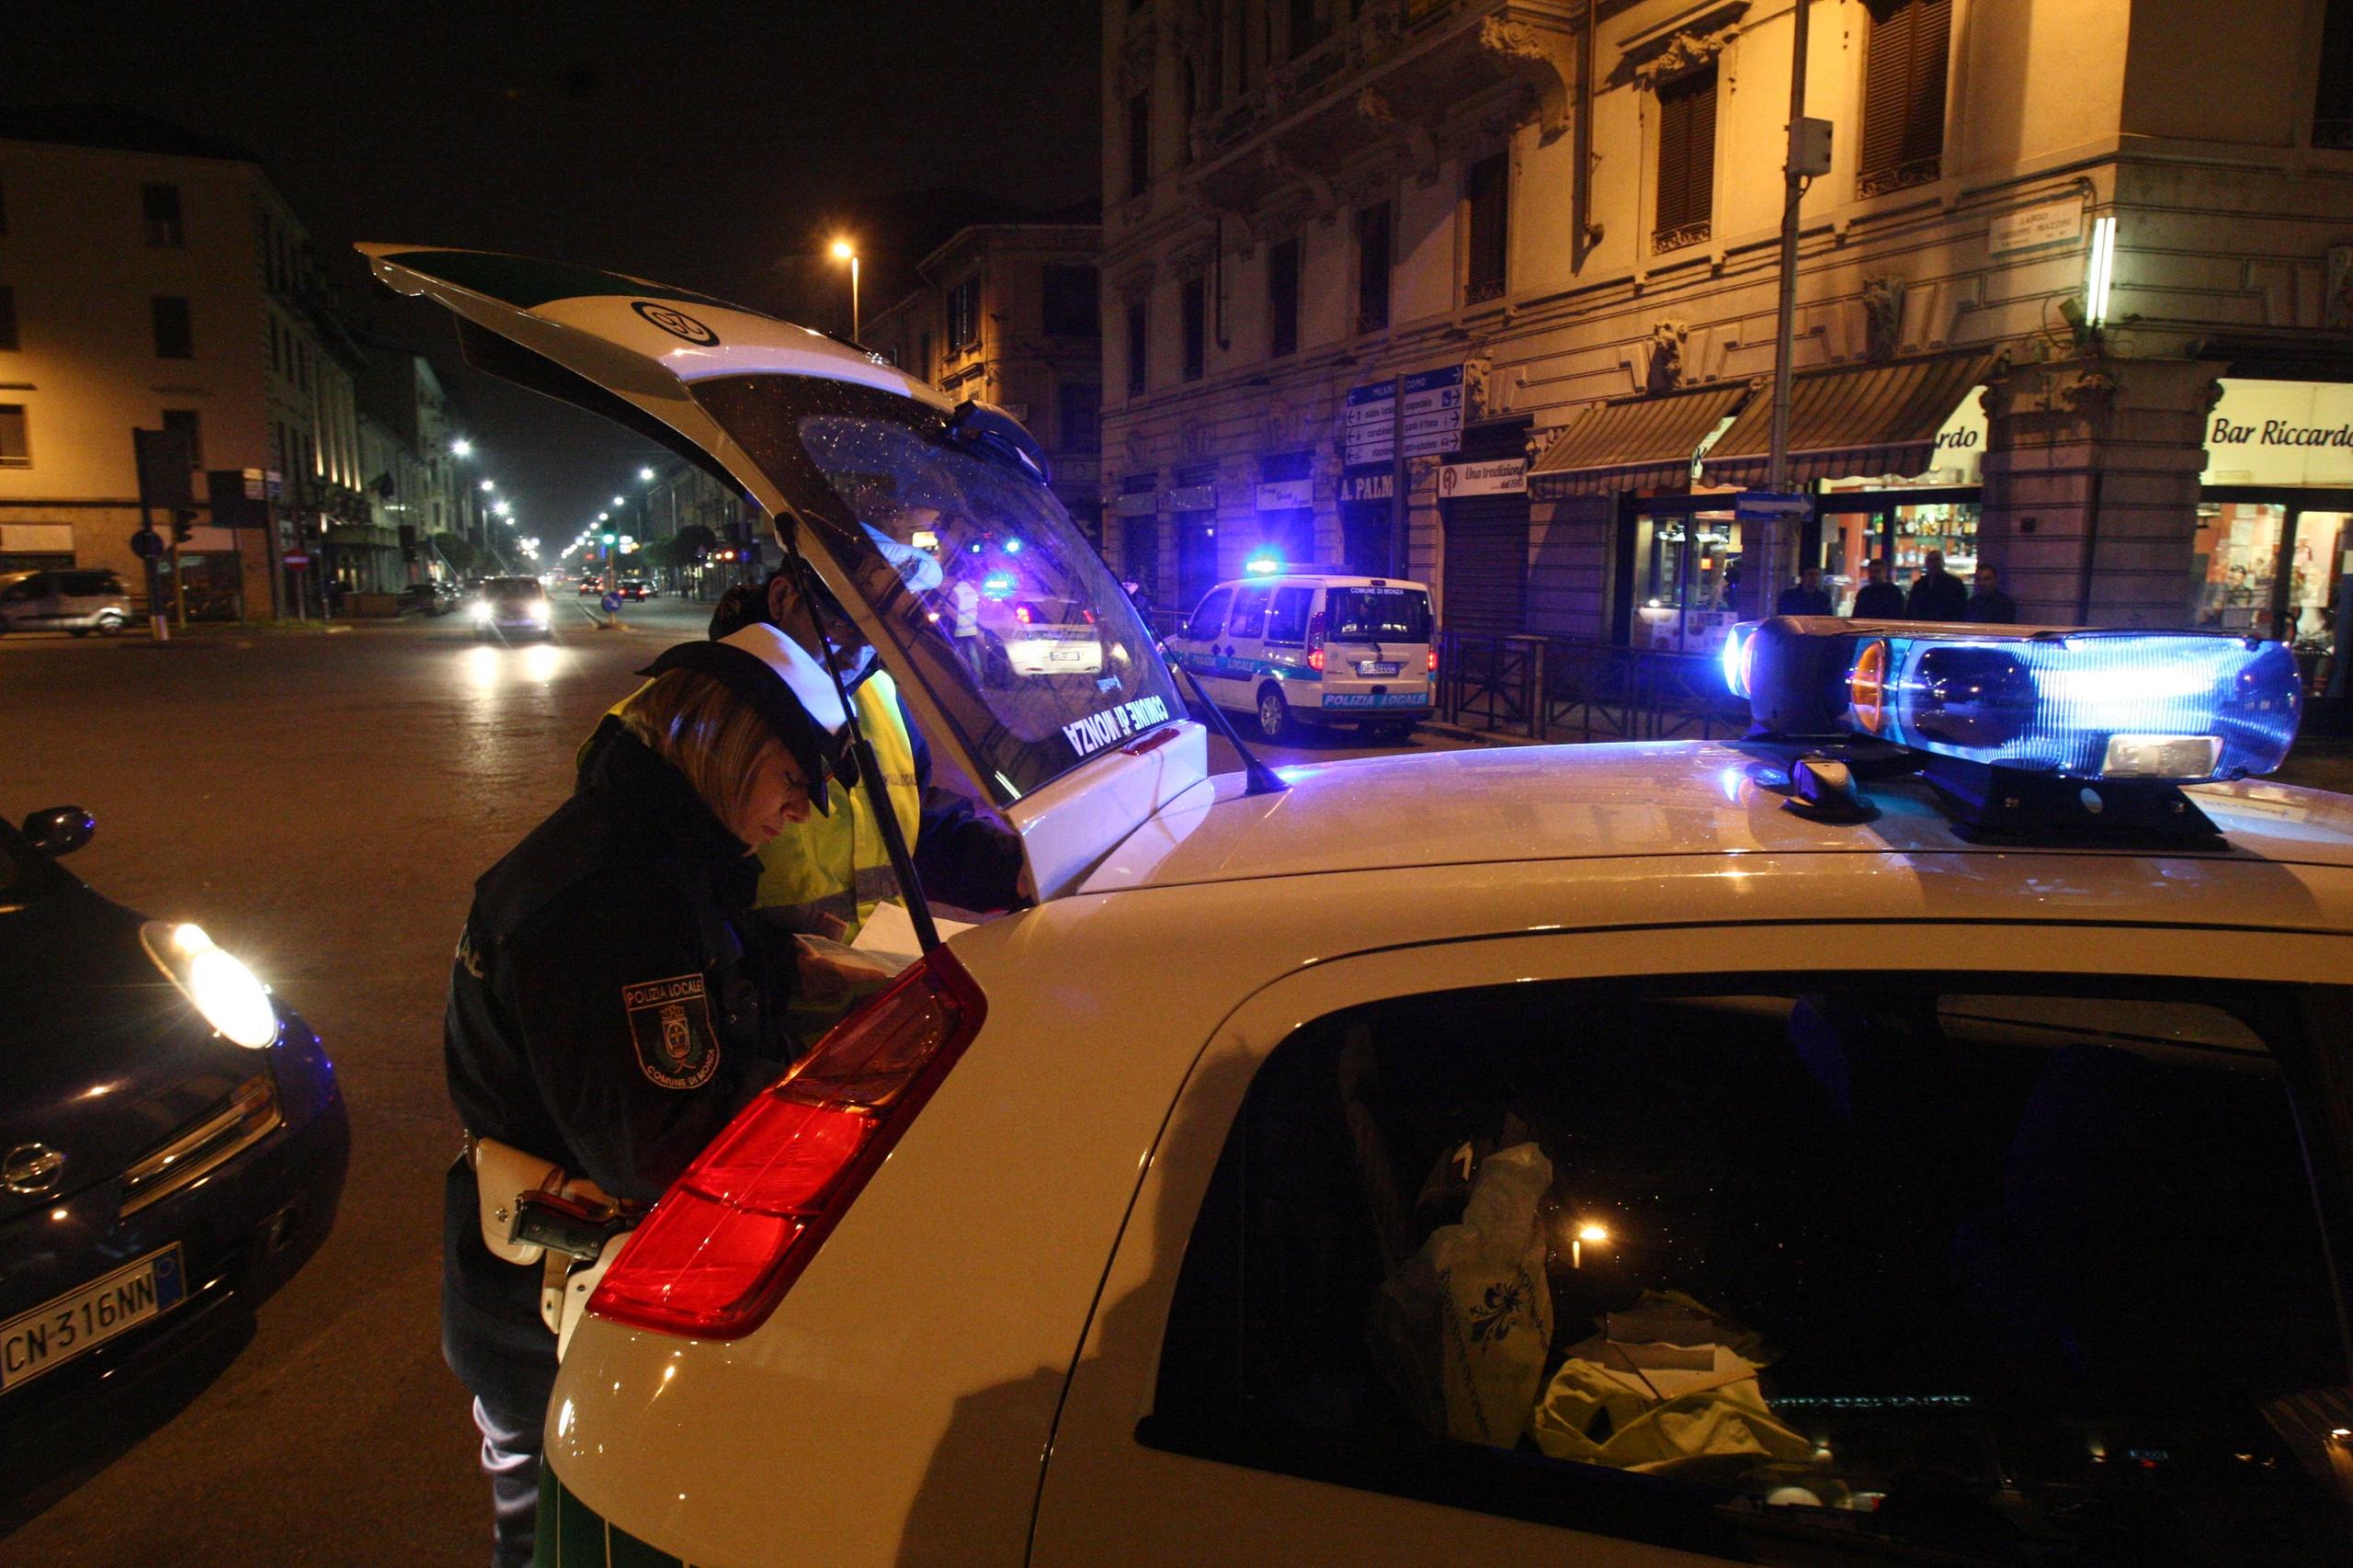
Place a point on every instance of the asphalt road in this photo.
(321, 804)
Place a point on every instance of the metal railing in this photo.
(1567, 688)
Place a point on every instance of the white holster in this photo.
(502, 1174)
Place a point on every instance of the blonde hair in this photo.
(704, 730)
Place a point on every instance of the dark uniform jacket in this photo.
(1879, 601)
(613, 1004)
(1798, 599)
(1938, 596)
(1993, 608)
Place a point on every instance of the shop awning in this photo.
(1634, 443)
(1851, 421)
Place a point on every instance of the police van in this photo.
(1918, 1131)
(1313, 646)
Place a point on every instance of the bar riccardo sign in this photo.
(2292, 432)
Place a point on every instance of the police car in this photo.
(1922, 1132)
(1312, 646)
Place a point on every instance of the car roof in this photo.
(1319, 579)
(1598, 801)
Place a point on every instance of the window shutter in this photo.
(1903, 94)
(1687, 160)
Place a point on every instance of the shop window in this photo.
(1138, 342)
(1082, 416)
(1282, 299)
(1687, 161)
(1194, 303)
(1869, 1267)
(160, 204)
(8, 341)
(1372, 268)
(964, 315)
(15, 440)
(1070, 310)
(1903, 94)
(174, 334)
(189, 423)
(2332, 108)
(1486, 214)
(1139, 143)
(1208, 618)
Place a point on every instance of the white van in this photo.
(1315, 647)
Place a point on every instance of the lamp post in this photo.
(845, 251)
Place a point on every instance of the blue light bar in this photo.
(2180, 706)
(1263, 566)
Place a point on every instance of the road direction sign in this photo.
(1433, 416)
(147, 544)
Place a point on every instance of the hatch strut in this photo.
(1263, 779)
(870, 772)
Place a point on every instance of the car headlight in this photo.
(539, 610)
(220, 987)
(482, 609)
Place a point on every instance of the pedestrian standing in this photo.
(1878, 600)
(613, 1001)
(1988, 605)
(1805, 597)
(1937, 593)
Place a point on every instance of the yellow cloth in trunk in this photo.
(1661, 1408)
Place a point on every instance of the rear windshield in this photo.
(940, 543)
(1961, 1270)
(1377, 615)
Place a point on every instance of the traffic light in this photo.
(183, 527)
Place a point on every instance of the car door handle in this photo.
(1228, 652)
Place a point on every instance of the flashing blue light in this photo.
(1013, 547)
(2158, 705)
(1739, 655)
(998, 585)
(1263, 566)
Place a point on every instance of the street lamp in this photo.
(461, 448)
(490, 485)
(645, 475)
(845, 251)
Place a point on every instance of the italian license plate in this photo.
(1375, 667)
(1066, 655)
(57, 1331)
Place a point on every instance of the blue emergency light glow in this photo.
(998, 585)
(1013, 547)
(2184, 707)
(1263, 566)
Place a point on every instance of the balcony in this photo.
(1393, 77)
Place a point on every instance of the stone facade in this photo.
(2190, 126)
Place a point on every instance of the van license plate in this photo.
(57, 1331)
(1375, 668)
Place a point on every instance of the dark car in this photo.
(171, 1141)
(433, 598)
(513, 607)
(634, 589)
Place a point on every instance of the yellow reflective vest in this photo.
(825, 875)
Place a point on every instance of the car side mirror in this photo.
(61, 830)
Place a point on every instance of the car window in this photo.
(21, 586)
(1250, 612)
(1209, 620)
(1377, 615)
(1973, 1269)
(1287, 617)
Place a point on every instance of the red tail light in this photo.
(729, 1238)
(1315, 640)
(1021, 613)
(1433, 659)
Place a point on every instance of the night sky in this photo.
(711, 146)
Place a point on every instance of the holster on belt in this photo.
(502, 1174)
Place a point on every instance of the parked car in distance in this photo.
(432, 598)
(81, 602)
(171, 1141)
(1317, 646)
(634, 589)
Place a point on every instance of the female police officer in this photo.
(613, 1004)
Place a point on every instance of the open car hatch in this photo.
(932, 522)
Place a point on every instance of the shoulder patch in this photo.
(669, 1023)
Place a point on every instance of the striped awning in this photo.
(1634, 443)
(1851, 421)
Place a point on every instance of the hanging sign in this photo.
(1502, 476)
